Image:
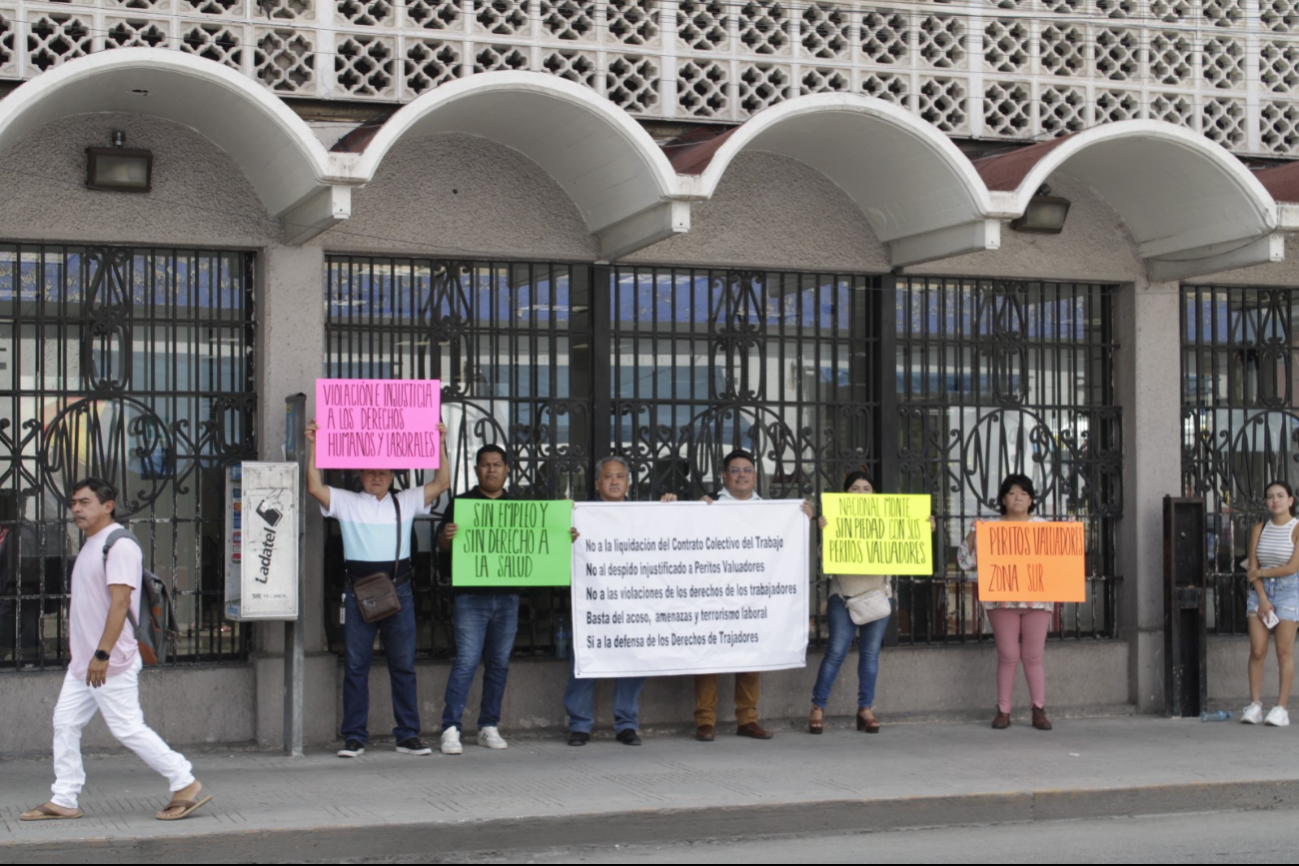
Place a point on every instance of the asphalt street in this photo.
(1258, 836)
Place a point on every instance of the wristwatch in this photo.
(100, 655)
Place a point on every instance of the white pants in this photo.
(119, 701)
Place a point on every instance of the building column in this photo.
(1147, 370)
(290, 317)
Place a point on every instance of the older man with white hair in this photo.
(612, 483)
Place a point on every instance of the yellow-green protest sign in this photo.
(512, 542)
(876, 533)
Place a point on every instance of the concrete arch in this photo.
(1191, 206)
(919, 192)
(610, 167)
(276, 150)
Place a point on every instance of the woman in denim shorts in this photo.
(1273, 589)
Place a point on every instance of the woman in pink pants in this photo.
(1019, 628)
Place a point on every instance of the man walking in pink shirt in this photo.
(104, 674)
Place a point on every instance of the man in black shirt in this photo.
(486, 620)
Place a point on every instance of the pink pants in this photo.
(1020, 633)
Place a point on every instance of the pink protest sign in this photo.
(377, 423)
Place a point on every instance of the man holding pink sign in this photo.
(378, 427)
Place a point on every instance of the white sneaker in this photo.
(1253, 714)
(451, 742)
(1277, 717)
(491, 738)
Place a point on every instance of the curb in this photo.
(651, 826)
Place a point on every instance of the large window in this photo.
(932, 386)
(997, 377)
(1240, 422)
(511, 343)
(133, 365)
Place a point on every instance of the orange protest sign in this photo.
(1031, 561)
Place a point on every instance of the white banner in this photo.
(689, 588)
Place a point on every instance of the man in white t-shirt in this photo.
(104, 674)
(373, 541)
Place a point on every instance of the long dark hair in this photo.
(1024, 483)
(1284, 485)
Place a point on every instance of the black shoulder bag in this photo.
(376, 594)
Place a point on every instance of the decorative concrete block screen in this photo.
(990, 69)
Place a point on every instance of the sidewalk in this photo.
(543, 792)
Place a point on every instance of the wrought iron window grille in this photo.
(669, 368)
(1240, 423)
(134, 365)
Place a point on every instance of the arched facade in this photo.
(834, 236)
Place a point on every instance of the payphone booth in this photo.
(262, 542)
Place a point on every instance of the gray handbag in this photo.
(868, 606)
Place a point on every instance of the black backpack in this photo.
(155, 625)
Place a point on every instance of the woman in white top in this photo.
(1019, 628)
(1273, 590)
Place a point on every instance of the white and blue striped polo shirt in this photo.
(369, 524)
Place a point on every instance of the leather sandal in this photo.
(816, 721)
(865, 723)
(1001, 721)
(43, 812)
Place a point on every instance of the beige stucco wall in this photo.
(771, 211)
(1095, 246)
(460, 196)
(199, 195)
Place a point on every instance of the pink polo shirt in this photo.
(91, 600)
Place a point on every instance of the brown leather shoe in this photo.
(704, 733)
(754, 730)
(869, 725)
(1040, 721)
(1001, 721)
(816, 721)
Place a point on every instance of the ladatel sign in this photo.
(262, 542)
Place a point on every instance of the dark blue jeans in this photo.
(842, 630)
(579, 701)
(398, 633)
(485, 626)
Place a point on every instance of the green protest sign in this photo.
(512, 542)
(876, 533)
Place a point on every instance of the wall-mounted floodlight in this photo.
(1045, 213)
(117, 169)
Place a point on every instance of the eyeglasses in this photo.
(741, 470)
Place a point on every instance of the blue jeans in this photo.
(579, 701)
(1282, 592)
(485, 627)
(398, 633)
(842, 629)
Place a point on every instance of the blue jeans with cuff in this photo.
(398, 633)
(485, 625)
(842, 630)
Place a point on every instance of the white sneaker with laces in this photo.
(1253, 714)
(1277, 717)
(451, 742)
(491, 738)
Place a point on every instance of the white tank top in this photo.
(1276, 544)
